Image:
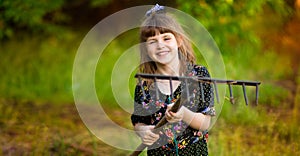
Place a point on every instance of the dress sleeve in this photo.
(206, 107)
(140, 99)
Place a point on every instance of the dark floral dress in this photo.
(176, 138)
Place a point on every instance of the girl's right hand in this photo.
(146, 134)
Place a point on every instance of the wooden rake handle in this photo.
(162, 122)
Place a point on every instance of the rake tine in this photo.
(245, 94)
(216, 90)
(231, 94)
(171, 88)
(256, 97)
(202, 93)
(156, 89)
(140, 82)
(187, 90)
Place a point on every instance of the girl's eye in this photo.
(167, 38)
(151, 42)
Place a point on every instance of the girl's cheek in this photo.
(150, 49)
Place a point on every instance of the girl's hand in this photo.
(146, 134)
(174, 117)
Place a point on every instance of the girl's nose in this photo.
(160, 44)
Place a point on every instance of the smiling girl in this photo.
(166, 50)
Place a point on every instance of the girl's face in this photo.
(163, 48)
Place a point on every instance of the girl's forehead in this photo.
(158, 35)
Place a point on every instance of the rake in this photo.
(201, 80)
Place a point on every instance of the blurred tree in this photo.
(225, 19)
(97, 3)
(230, 21)
(47, 16)
(34, 15)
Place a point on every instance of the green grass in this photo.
(38, 115)
(36, 68)
(253, 131)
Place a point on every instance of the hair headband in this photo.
(156, 9)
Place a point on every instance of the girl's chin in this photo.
(163, 59)
(163, 62)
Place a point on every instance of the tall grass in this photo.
(36, 68)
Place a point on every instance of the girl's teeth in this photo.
(161, 53)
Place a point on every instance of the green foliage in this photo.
(36, 16)
(97, 3)
(231, 22)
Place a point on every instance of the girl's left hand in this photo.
(174, 117)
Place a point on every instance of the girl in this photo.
(166, 50)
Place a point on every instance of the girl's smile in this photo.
(162, 53)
